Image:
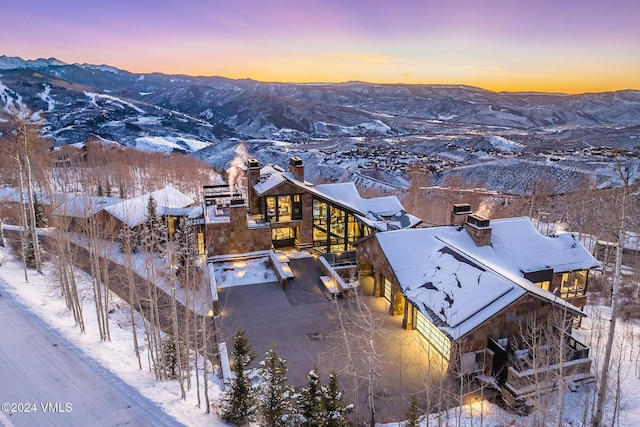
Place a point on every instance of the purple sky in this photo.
(567, 46)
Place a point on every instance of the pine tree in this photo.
(413, 415)
(99, 191)
(29, 250)
(155, 229)
(238, 400)
(274, 404)
(170, 357)
(337, 412)
(107, 190)
(38, 207)
(128, 240)
(187, 250)
(310, 403)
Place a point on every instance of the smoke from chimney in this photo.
(484, 209)
(237, 167)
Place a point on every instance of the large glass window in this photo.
(282, 208)
(320, 213)
(574, 284)
(335, 229)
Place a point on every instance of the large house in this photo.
(471, 288)
(284, 210)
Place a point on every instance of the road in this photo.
(41, 371)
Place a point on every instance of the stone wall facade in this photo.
(236, 236)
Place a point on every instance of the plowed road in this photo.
(42, 373)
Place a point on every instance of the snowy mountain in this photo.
(370, 132)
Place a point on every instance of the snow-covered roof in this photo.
(383, 213)
(459, 285)
(518, 246)
(81, 206)
(346, 194)
(133, 212)
(272, 176)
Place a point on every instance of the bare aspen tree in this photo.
(359, 328)
(176, 331)
(625, 173)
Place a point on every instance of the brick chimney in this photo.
(253, 177)
(459, 213)
(479, 229)
(296, 168)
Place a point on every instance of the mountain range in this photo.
(209, 115)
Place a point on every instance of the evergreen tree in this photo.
(170, 357)
(99, 191)
(107, 190)
(337, 412)
(187, 248)
(170, 353)
(238, 400)
(413, 415)
(310, 403)
(155, 228)
(274, 404)
(128, 240)
(29, 250)
(38, 207)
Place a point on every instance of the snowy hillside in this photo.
(370, 133)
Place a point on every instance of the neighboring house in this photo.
(606, 251)
(471, 287)
(133, 212)
(284, 210)
(111, 214)
(74, 211)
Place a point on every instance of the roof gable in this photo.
(460, 285)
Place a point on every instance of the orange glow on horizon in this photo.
(377, 70)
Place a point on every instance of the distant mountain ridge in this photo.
(185, 113)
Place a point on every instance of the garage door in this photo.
(387, 289)
(432, 334)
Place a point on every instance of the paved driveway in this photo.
(301, 321)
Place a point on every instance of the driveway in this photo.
(302, 322)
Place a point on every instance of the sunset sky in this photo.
(566, 46)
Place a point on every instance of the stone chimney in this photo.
(459, 213)
(238, 212)
(479, 229)
(253, 177)
(296, 168)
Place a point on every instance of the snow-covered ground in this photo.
(42, 297)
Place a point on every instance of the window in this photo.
(270, 209)
(574, 284)
(284, 208)
(201, 243)
(285, 233)
(544, 285)
(296, 206)
(334, 229)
